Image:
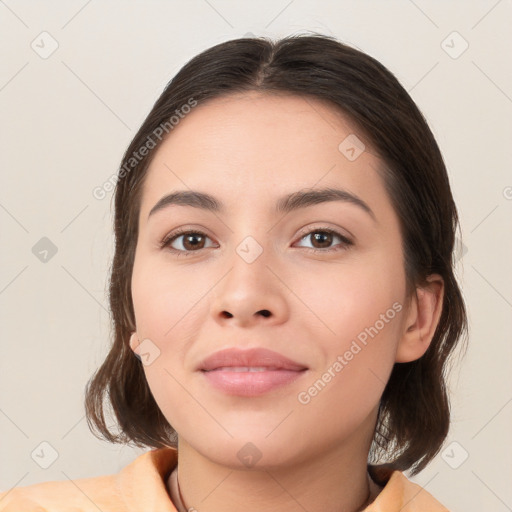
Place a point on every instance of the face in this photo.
(321, 283)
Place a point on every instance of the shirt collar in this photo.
(143, 483)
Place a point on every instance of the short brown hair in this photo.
(414, 414)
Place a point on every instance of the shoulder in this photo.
(139, 483)
(400, 494)
(81, 495)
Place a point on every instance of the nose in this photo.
(251, 293)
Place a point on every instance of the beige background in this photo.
(66, 120)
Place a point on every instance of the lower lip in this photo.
(250, 383)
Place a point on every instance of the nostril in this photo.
(265, 312)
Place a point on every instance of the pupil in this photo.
(319, 236)
(193, 237)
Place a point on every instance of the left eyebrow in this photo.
(303, 199)
(286, 204)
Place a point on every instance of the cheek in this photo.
(164, 298)
(356, 321)
(356, 361)
(169, 312)
(165, 306)
(345, 299)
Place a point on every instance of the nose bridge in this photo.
(251, 241)
(248, 264)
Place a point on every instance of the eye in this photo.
(324, 237)
(193, 241)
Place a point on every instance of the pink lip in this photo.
(249, 357)
(223, 370)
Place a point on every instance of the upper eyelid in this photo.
(336, 231)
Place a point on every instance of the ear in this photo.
(134, 342)
(422, 319)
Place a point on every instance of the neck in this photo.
(335, 481)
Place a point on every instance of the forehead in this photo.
(256, 146)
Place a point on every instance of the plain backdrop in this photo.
(76, 81)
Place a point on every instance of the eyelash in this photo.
(165, 243)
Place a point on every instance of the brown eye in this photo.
(185, 241)
(193, 241)
(322, 239)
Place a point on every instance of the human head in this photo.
(414, 411)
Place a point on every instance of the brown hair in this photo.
(414, 413)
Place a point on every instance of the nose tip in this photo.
(246, 288)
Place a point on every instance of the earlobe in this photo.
(424, 314)
(134, 342)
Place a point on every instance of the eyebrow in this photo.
(286, 204)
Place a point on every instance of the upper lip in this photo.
(254, 357)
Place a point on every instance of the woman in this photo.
(282, 292)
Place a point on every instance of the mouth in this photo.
(245, 369)
(260, 359)
(250, 372)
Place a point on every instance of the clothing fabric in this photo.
(141, 486)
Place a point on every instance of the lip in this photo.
(255, 357)
(249, 372)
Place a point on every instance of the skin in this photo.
(248, 150)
